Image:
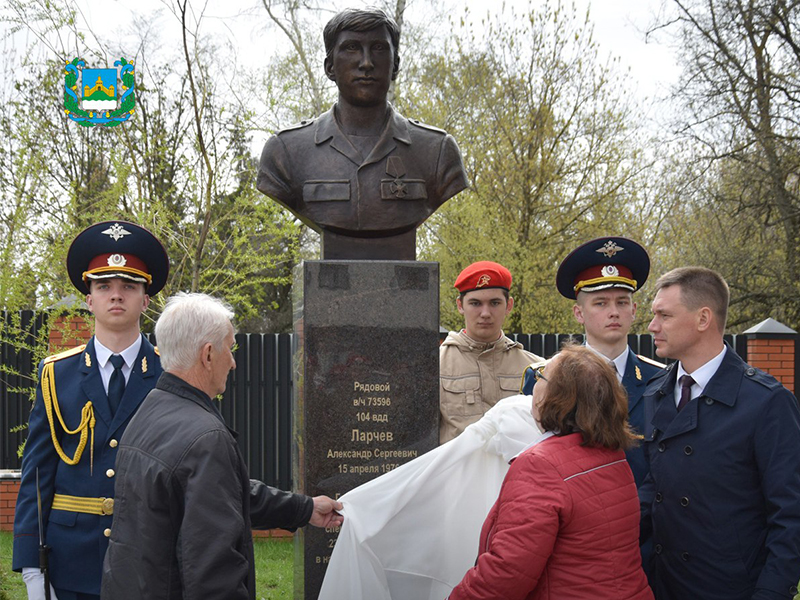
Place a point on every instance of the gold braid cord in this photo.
(87, 419)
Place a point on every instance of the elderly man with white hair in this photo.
(185, 505)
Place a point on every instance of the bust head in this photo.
(361, 21)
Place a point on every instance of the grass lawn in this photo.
(274, 575)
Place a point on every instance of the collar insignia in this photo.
(483, 281)
(144, 365)
(638, 373)
(116, 232)
(88, 359)
(609, 249)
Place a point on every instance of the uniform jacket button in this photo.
(684, 501)
(110, 473)
(658, 548)
(709, 401)
(659, 497)
(113, 443)
(685, 556)
(661, 446)
(107, 532)
(687, 450)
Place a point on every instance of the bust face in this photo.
(362, 64)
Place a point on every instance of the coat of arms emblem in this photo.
(99, 96)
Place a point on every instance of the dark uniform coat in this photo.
(314, 171)
(638, 371)
(723, 496)
(78, 540)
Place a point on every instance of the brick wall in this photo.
(8, 500)
(69, 332)
(776, 356)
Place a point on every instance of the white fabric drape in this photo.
(412, 534)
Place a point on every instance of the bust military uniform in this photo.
(316, 172)
(73, 432)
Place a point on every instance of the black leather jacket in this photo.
(185, 506)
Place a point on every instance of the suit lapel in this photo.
(633, 381)
(138, 385)
(92, 384)
(666, 418)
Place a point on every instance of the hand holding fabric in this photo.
(325, 512)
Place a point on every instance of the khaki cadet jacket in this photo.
(473, 376)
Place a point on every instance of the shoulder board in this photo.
(155, 349)
(300, 125)
(650, 361)
(65, 354)
(419, 123)
(762, 377)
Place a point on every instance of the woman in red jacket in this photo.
(566, 523)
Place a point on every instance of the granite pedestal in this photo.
(366, 383)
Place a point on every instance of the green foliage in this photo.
(738, 125)
(546, 138)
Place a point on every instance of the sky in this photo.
(244, 24)
(619, 29)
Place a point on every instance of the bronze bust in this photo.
(362, 174)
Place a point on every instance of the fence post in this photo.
(772, 347)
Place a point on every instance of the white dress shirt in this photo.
(106, 368)
(701, 376)
(618, 363)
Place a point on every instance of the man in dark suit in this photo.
(722, 498)
(601, 276)
(362, 174)
(85, 399)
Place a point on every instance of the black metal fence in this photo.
(258, 399)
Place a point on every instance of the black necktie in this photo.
(686, 391)
(116, 385)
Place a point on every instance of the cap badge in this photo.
(116, 232)
(609, 271)
(609, 249)
(483, 280)
(116, 260)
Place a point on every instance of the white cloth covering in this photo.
(412, 533)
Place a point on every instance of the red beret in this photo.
(483, 275)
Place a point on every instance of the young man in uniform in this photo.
(85, 398)
(601, 276)
(479, 365)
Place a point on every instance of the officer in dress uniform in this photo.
(601, 276)
(85, 398)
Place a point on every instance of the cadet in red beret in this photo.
(479, 365)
